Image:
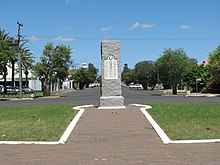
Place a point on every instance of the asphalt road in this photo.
(91, 96)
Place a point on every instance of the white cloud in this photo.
(35, 38)
(185, 27)
(72, 1)
(106, 29)
(141, 25)
(64, 39)
(67, 1)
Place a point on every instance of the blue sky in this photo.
(144, 27)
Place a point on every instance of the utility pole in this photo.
(19, 61)
(158, 78)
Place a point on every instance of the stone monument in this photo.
(111, 93)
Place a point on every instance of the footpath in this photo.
(112, 137)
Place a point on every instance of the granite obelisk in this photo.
(111, 92)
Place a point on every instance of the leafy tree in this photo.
(144, 73)
(99, 79)
(54, 63)
(214, 63)
(93, 72)
(173, 66)
(86, 76)
(198, 72)
(83, 77)
(127, 75)
(214, 66)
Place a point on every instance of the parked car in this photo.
(17, 89)
(11, 90)
(135, 86)
(27, 90)
(1, 89)
(158, 87)
(91, 85)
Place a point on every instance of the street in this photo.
(91, 96)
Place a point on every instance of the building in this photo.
(33, 81)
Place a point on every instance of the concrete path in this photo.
(112, 137)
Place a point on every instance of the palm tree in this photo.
(4, 54)
(13, 57)
(26, 62)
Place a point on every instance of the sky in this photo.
(145, 28)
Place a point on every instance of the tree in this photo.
(13, 58)
(214, 63)
(144, 73)
(54, 63)
(26, 62)
(4, 54)
(127, 75)
(173, 66)
(214, 66)
(198, 72)
(93, 72)
(86, 76)
(83, 77)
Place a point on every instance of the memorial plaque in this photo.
(111, 68)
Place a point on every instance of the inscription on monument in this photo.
(111, 68)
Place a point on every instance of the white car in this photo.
(91, 85)
(135, 86)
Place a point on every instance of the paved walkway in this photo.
(112, 137)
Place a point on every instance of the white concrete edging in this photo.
(161, 133)
(157, 128)
(65, 135)
(73, 123)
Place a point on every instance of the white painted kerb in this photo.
(70, 128)
(161, 133)
(157, 128)
(65, 135)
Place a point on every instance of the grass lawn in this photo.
(27, 95)
(35, 123)
(185, 121)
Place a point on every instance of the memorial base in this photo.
(112, 102)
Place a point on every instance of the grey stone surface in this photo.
(111, 74)
(111, 101)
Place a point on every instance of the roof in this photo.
(70, 72)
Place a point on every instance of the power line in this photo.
(148, 39)
(129, 39)
(35, 49)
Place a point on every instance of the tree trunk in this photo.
(26, 78)
(144, 85)
(13, 72)
(174, 88)
(5, 80)
(81, 86)
(46, 88)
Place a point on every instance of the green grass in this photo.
(188, 121)
(27, 95)
(35, 123)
